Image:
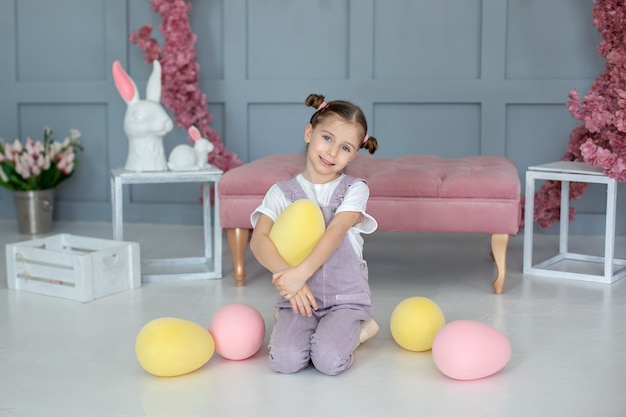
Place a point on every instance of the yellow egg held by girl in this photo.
(297, 230)
(170, 346)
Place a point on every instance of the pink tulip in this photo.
(31, 159)
(17, 146)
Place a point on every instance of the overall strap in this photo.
(292, 189)
(341, 190)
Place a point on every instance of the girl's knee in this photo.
(330, 361)
(287, 361)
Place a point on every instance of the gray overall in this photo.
(342, 292)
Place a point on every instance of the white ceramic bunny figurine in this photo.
(145, 122)
(186, 158)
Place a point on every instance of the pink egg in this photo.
(466, 350)
(238, 331)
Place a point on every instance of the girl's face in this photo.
(332, 144)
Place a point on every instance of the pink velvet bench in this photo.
(476, 194)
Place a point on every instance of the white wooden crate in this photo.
(73, 267)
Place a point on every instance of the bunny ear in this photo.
(124, 83)
(194, 133)
(153, 90)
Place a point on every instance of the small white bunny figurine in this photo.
(145, 122)
(186, 158)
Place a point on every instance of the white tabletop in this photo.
(570, 167)
(167, 173)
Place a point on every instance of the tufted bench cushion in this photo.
(416, 193)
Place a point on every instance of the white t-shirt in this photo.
(356, 198)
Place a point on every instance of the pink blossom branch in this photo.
(600, 139)
(181, 91)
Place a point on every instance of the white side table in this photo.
(564, 264)
(210, 266)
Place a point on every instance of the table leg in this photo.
(564, 220)
(217, 233)
(609, 238)
(529, 220)
(116, 204)
(206, 218)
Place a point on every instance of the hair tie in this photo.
(321, 106)
(366, 138)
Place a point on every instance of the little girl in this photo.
(324, 308)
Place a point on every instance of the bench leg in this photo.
(499, 242)
(238, 242)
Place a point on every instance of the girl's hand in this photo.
(300, 296)
(303, 302)
(289, 281)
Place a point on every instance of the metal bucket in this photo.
(34, 211)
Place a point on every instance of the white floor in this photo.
(65, 359)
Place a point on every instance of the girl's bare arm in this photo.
(263, 248)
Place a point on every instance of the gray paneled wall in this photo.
(450, 78)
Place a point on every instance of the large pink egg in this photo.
(466, 350)
(238, 331)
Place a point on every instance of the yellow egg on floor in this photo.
(297, 230)
(171, 346)
(414, 323)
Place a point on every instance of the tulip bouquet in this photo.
(35, 165)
